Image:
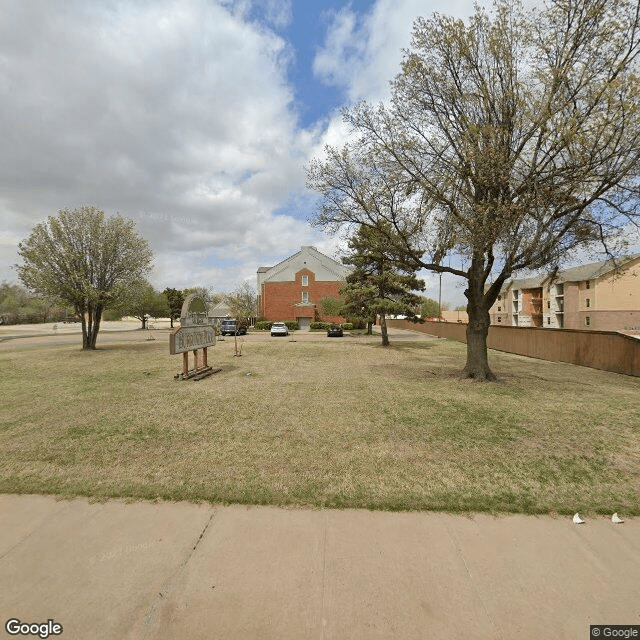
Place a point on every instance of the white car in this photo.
(279, 329)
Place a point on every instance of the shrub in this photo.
(292, 325)
(347, 326)
(263, 325)
(319, 326)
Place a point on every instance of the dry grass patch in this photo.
(324, 423)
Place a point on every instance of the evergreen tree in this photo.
(379, 285)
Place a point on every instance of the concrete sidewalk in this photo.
(183, 571)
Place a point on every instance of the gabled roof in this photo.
(582, 272)
(593, 269)
(221, 310)
(324, 267)
(526, 283)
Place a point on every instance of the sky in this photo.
(195, 118)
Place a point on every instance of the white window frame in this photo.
(305, 297)
(305, 281)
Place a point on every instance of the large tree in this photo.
(175, 299)
(510, 141)
(86, 260)
(142, 301)
(379, 285)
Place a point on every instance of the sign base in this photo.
(197, 374)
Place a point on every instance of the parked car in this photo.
(279, 329)
(335, 331)
(233, 328)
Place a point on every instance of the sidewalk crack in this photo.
(166, 587)
(458, 549)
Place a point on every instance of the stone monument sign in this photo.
(194, 334)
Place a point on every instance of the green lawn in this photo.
(340, 423)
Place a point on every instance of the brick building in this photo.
(597, 296)
(292, 289)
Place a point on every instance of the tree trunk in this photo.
(96, 325)
(91, 317)
(477, 366)
(85, 333)
(370, 328)
(171, 318)
(383, 330)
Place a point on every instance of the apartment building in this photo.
(595, 296)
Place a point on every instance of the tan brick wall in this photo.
(455, 316)
(500, 311)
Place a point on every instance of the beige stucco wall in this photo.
(455, 316)
(616, 292)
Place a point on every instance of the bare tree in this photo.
(510, 141)
(242, 302)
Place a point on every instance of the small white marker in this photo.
(577, 519)
(616, 519)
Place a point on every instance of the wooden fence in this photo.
(607, 350)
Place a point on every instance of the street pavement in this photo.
(26, 337)
(117, 570)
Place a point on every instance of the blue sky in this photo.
(196, 118)
(310, 22)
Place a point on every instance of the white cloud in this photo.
(176, 113)
(278, 13)
(362, 53)
(341, 46)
